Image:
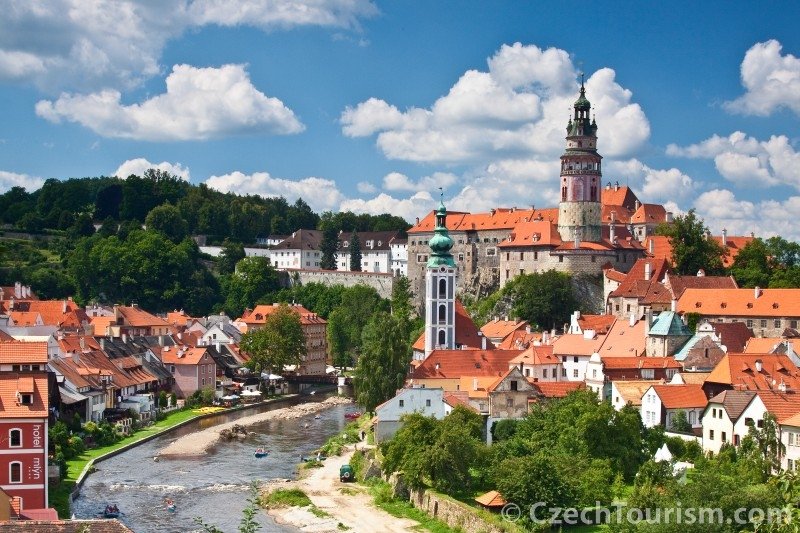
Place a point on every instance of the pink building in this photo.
(192, 368)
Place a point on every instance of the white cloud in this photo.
(87, 46)
(365, 187)
(517, 110)
(417, 205)
(747, 161)
(139, 165)
(395, 181)
(200, 103)
(719, 208)
(771, 81)
(653, 185)
(12, 179)
(321, 194)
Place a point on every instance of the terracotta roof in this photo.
(782, 405)
(260, 313)
(776, 303)
(533, 233)
(178, 318)
(22, 353)
(556, 389)
(624, 363)
(740, 372)
(34, 383)
(793, 421)
(632, 391)
(502, 328)
(5, 336)
(68, 369)
(599, 323)
(466, 332)
(500, 218)
(679, 284)
(694, 378)
(769, 345)
(734, 402)
(586, 245)
(536, 355)
(136, 317)
(615, 275)
(452, 364)
(100, 324)
(519, 340)
(456, 398)
(622, 215)
(183, 355)
(25, 318)
(491, 499)
(576, 344)
(658, 246)
(620, 195)
(733, 244)
(649, 214)
(681, 396)
(62, 313)
(624, 340)
(65, 526)
(635, 285)
(476, 386)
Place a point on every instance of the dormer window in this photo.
(26, 399)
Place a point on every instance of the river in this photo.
(213, 488)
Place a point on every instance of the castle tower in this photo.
(440, 289)
(579, 212)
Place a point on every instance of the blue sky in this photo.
(370, 106)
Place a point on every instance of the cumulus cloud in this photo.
(417, 205)
(86, 46)
(653, 185)
(771, 81)
(9, 180)
(139, 165)
(200, 103)
(395, 181)
(515, 110)
(720, 208)
(321, 194)
(365, 187)
(747, 161)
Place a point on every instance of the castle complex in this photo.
(594, 226)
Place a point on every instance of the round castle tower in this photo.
(579, 212)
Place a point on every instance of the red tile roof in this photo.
(502, 328)
(23, 353)
(635, 285)
(62, 313)
(136, 317)
(519, 340)
(733, 244)
(556, 389)
(491, 499)
(576, 344)
(466, 332)
(34, 383)
(782, 405)
(624, 363)
(620, 195)
(681, 396)
(679, 284)
(501, 218)
(624, 340)
(260, 313)
(536, 355)
(183, 355)
(658, 246)
(649, 214)
(777, 303)
(600, 324)
(452, 364)
(740, 371)
(454, 399)
(533, 233)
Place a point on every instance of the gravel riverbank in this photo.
(200, 442)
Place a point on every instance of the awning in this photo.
(68, 397)
(250, 393)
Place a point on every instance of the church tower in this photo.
(440, 288)
(579, 212)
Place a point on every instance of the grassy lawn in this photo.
(381, 493)
(59, 494)
(291, 498)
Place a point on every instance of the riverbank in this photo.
(198, 443)
(344, 506)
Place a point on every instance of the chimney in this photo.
(669, 216)
(474, 383)
(64, 307)
(651, 246)
(82, 342)
(724, 237)
(647, 271)
(636, 205)
(483, 340)
(417, 224)
(616, 185)
(528, 328)
(18, 289)
(103, 343)
(757, 292)
(674, 305)
(632, 320)
(759, 365)
(612, 230)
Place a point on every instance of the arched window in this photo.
(15, 438)
(442, 313)
(563, 194)
(15, 472)
(442, 337)
(442, 288)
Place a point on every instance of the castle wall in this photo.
(383, 283)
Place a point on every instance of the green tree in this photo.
(680, 422)
(232, 253)
(763, 445)
(329, 247)
(531, 479)
(82, 227)
(691, 249)
(355, 252)
(108, 228)
(168, 220)
(347, 322)
(278, 343)
(457, 448)
(407, 451)
(255, 280)
(753, 265)
(383, 364)
(545, 299)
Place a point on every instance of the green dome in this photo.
(582, 102)
(441, 243)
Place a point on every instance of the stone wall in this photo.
(383, 283)
(455, 514)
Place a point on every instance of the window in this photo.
(692, 417)
(748, 421)
(544, 373)
(441, 337)
(490, 252)
(736, 440)
(575, 373)
(427, 403)
(522, 256)
(26, 399)
(575, 359)
(402, 403)
(15, 472)
(172, 369)
(793, 324)
(509, 402)
(563, 372)
(789, 465)
(763, 322)
(535, 256)
(791, 439)
(203, 381)
(749, 322)
(563, 358)
(724, 437)
(777, 323)
(442, 313)
(527, 372)
(15, 438)
(710, 434)
(648, 373)
(560, 258)
(514, 384)
(594, 373)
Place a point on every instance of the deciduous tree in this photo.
(279, 343)
(692, 250)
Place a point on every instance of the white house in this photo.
(221, 333)
(427, 402)
(399, 249)
(660, 403)
(728, 417)
(628, 392)
(538, 363)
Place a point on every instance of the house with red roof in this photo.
(65, 315)
(538, 363)
(628, 298)
(603, 371)
(445, 368)
(497, 330)
(508, 398)
(133, 321)
(790, 438)
(193, 368)
(574, 351)
(660, 404)
(753, 372)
